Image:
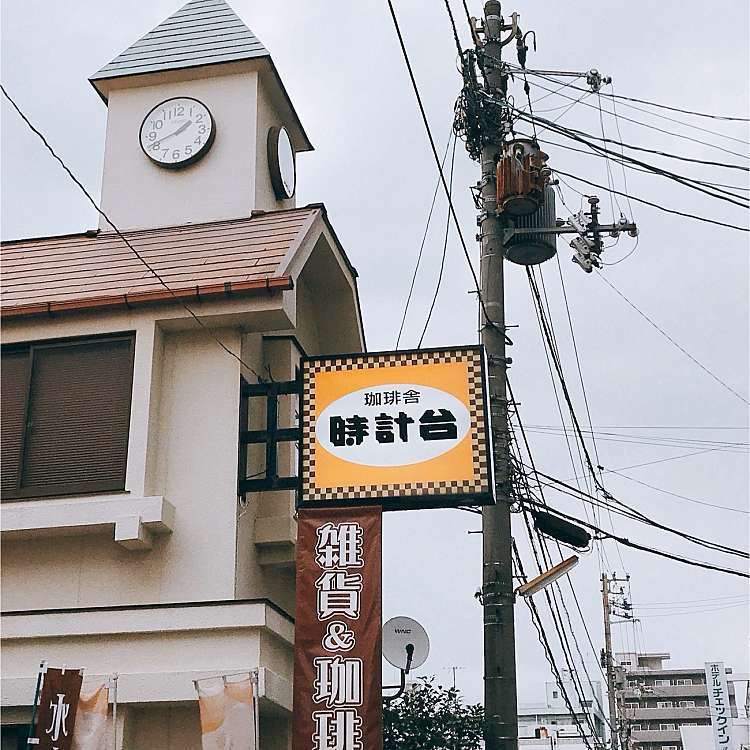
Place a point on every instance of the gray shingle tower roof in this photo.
(202, 32)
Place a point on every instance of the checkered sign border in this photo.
(479, 486)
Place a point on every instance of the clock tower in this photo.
(199, 125)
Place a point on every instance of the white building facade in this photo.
(129, 544)
(550, 724)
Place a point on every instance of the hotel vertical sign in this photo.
(402, 430)
(719, 705)
(337, 646)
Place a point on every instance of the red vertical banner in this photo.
(337, 645)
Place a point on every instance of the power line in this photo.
(694, 601)
(691, 612)
(633, 513)
(676, 494)
(737, 600)
(614, 97)
(672, 341)
(658, 461)
(544, 641)
(578, 136)
(663, 427)
(662, 106)
(568, 578)
(426, 122)
(643, 547)
(656, 205)
(624, 177)
(636, 515)
(680, 441)
(422, 244)
(577, 684)
(719, 186)
(445, 249)
(677, 109)
(666, 442)
(148, 266)
(583, 387)
(657, 152)
(650, 126)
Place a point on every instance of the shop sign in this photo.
(402, 430)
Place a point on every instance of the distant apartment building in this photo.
(657, 701)
(550, 724)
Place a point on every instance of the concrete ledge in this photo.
(275, 540)
(154, 619)
(274, 691)
(131, 520)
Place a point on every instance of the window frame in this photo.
(87, 487)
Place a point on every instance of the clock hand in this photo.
(183, 127)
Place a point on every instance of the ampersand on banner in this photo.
(338, 637)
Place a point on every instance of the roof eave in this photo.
(198, 293)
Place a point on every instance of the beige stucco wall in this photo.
(190, 431)
(268, 115)
(136, 193)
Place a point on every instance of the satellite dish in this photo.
(404, 638)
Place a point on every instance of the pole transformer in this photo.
(500, 707)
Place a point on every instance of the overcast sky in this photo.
(373, 169)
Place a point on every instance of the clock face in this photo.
(281, 163)
(177, 132)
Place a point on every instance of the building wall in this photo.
(219, 186)
(652, 684)
(268, 115)
(188, 426)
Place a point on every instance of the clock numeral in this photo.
(157, 124)
(180, 110)
(164, 153)
(176, 154)
(201, 129)
(152, 135)
(198, 141)
(188, 150)
(199, 117)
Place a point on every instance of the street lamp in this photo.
(545, 579)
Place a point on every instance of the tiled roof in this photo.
(68, 270)
(200, 33)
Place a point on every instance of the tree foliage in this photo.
(431, 717)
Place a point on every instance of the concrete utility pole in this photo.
(500, 707)
(611, 694)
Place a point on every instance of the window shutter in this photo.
(14, 383)
(79, 415)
